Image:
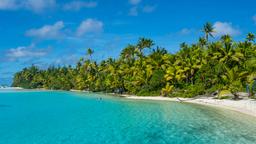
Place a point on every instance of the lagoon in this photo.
(43, 117)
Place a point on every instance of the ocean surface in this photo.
(47, 117)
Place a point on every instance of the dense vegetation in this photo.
(145, 69)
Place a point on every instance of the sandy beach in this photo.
(246, 106)
(11, 88)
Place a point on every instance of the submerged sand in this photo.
(246, 106)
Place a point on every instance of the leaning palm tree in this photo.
(208, 30)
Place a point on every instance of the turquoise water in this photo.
(76, 118)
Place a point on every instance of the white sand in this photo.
(247, 106)
(73, 90)
(11, 88)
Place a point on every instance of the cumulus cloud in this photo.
(24, 52)
(149, 9)
(133, 11)
(34, 5)
(223, 28)
(137, 7)
(47, 31)
(185, 31)
(39, 5)
(254, 19)
(77, 5)
(134, 2)
(89, 26)
(8, 4)
(68, 59)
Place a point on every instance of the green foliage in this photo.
(157, 80)
(224, 97)
(143, 69)
(190, 91)
(214, 88)
(167, 90)
(146, 92)
(224, 94)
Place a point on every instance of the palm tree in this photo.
(156, 58)
(232, 79)
(144, 43)
(250, 37)
(208, 30)
(202, 42)
(251, 83)
(89, 52)
(128, 53)
(226, 39)
(225, 52)
(167, 90)
(221, 64)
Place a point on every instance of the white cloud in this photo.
(136, 8)
(8, 4)
(254, 19)
(223, 28)
(24, 52)
(185, 31)
(134, 11)
(148, 9)
(134, 2)
(34, 5)
(89, 26)
(68, 59)
(77, 5)
(39, 5)
(47, 31)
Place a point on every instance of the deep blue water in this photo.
(80, 118)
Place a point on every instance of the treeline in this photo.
(203, 67)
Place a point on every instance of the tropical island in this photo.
(127, 72)
(221, 67)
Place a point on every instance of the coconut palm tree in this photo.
(221, 64)
(208, 30)
(225, 51)
(232, 78)
(144, 43)
(128, 53)
(89, 52)
(250, 37)
(251, 83)
(202, 42)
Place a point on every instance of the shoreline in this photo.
(11, 88)
(246, 106)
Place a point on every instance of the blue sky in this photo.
(58, 32)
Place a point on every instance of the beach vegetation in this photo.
(211, 64)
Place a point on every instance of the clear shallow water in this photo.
(76, 118)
